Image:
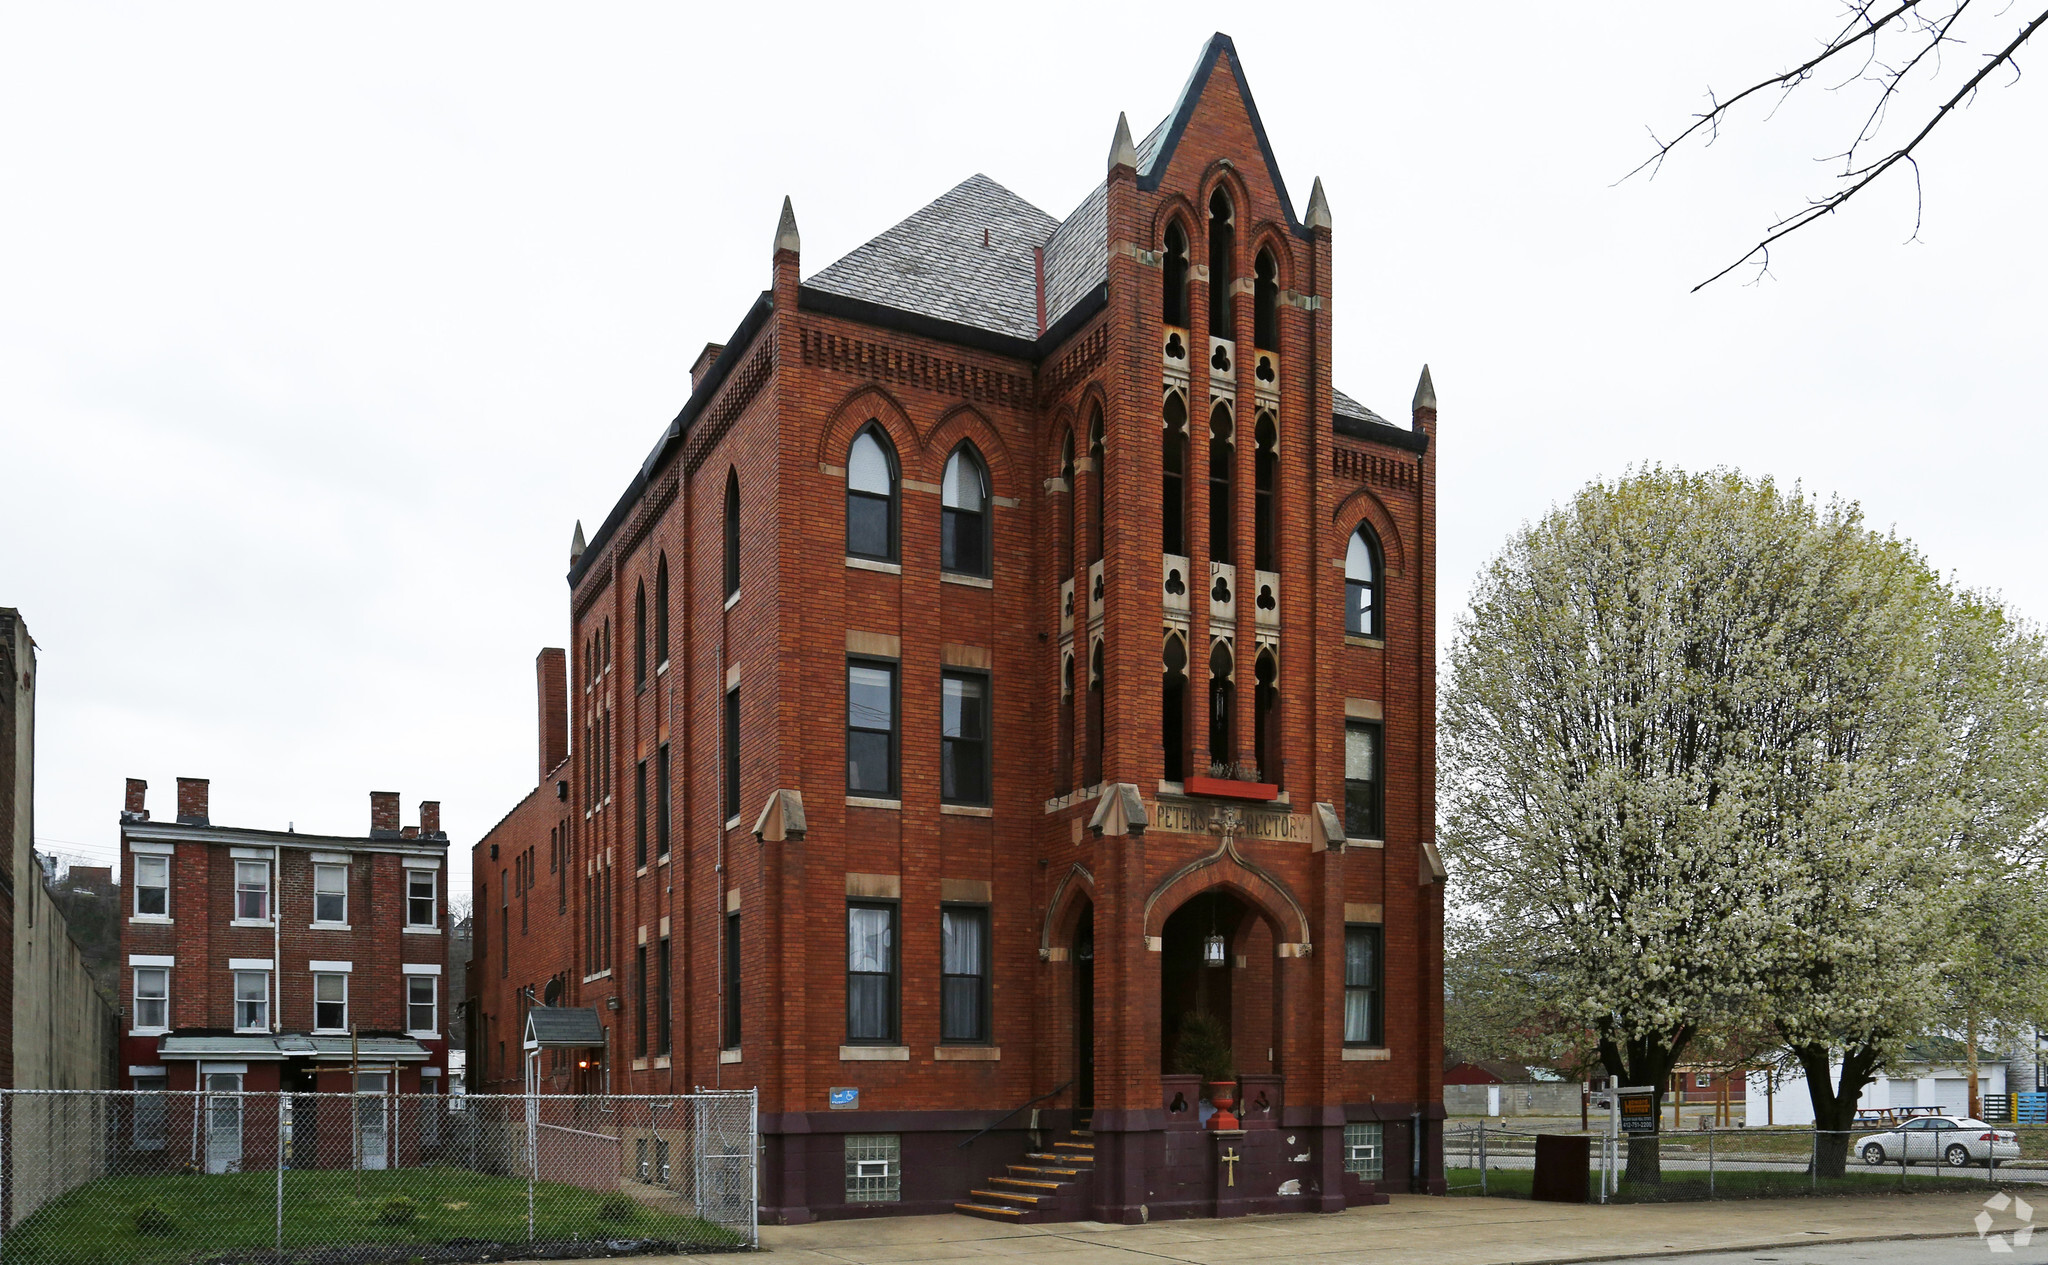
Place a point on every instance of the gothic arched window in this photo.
(1174, 309)
(1222, 250)
(1266, 713)
(1173, 496)
(661, 610)
(1173, 708)
(1222, 709)
(732, 531)
(1221, 485)
(640, 633)
(963, 514)
(1265, 498)
(1362, 584)
(1266, 303)
(1099, 458)
(871, 496)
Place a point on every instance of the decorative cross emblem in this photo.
(1230, 1157)
(1226, 822)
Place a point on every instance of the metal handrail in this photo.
(1011, 1112)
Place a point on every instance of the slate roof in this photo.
(563, 1027)
(1345, 406)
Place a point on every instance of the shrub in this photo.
(155, 1221)
(398, 1210)
(615, 1208)
(1203, 1048)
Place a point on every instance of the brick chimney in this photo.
(192, 802)
(133, 809)
(384, 814)
(410, 832)
(430, 819)
(551, 676)
(705, 359)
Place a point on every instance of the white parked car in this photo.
(1957, 1141)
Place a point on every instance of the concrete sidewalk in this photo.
(1412, 1228)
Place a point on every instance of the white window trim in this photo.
(330, 968)
(420, 931)
(152, 959)
(435, 924)
(146, 962)
(344, 973)
(142, 848)
(251, 922)
(419, 968)
(135, 888)
(433, 1033)
(318, 923)
(264, 971)
(420, 863)
(329, 926)
(250, 964)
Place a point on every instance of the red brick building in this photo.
(1015, 646)
(268, 960)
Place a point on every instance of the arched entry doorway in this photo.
(1216, 959)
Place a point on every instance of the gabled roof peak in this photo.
(1176, 124)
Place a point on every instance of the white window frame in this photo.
(243, 865)
(433, 879)
(137, 861)
(317, 1003)
(327, 869)
(146, 1124)
(433, 1004)
(140, 1028)
(240, 978)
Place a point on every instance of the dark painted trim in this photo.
(1380, 432)
(793, 1122)
(1185, 111)
(736, 349)
(881, 315)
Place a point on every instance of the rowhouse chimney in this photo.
(192, 801)
(430, 818)
(133, 808)
(551, 677)
(705, 359)
(384, 814)
(410, 832)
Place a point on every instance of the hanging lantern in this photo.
(1214, 952)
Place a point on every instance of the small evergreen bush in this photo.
(398, 1210)
(155, 1221)
(615, 1208)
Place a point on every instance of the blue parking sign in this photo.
(845, 1099)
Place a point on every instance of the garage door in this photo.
(1952, 1094)
(1904, 1094)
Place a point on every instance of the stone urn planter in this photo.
(1223, 1097)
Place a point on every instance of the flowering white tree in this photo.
(1651, 721)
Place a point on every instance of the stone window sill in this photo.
(328, 926)
(151, 920)
(729, 1056)
(1376, 643)
(1367, 1054)
(967, 1053)
(423, 931)
(966, 810)
(869, 564)
(970, 581)
(863, 801)
(661, 1061)
(874, 1054)
(264, 923)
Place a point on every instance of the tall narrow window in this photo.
(732, 980)
(640, 815)
(1173, 709)
(1361, 584)
(1266, 717)
(330, 1003)
(870, 974)
(963, 738)
(963, 974)
(1221, 496)
(252, 891)
(1091, 770)
(1174, 303)
(1222, 710)
(504, 922)
(1065, 569)
(1222, 257)
(1265, 501)
(871, 497)
(662, 1007)
(963, 514)
(640, 1002)
(605, 959)
(1361, 984)
(152, 998)
(1098, 458)
(732, 753)
(870, 728)
(152, 1108)
(661, 611)
(1173, 496)
(252, 1001)
(732, 531)
(421, 1005)
(330, 894)
(1362, 780)
(1063, 768)
(152, 886)
(661, 805)
(639, 633)
(1266, 303)
(420, 900)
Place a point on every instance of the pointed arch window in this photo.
(1222, 487)
(1066, 553)
(1100, 460)
(1266, 716)
(1266, 303)
(660, 611)
(639, 633)
(1091, 770)
(1222, 710)
(1174, 308)
(1265, 499)
(1362, 617)
(871, 496)
(732, 530)
(1063, 770)
(1222, 250)
(1173, 497)
(963, 514)
(1173, 708)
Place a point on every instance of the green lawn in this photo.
(1689, 1186)
(233, 1216)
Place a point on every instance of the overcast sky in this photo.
(319, 328)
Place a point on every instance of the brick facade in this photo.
(1084, 850)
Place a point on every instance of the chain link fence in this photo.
(1755, 1163)
(233, 1178)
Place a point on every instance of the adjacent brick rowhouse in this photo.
(195, 938)
(1084, 851)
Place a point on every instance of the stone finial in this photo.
(576, 544)
(1122, 153)
(1425, 392)
(1119, 811)
(782, 818)
(1318, 206)
(785, 230)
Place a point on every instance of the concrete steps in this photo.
(1047, 1187)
